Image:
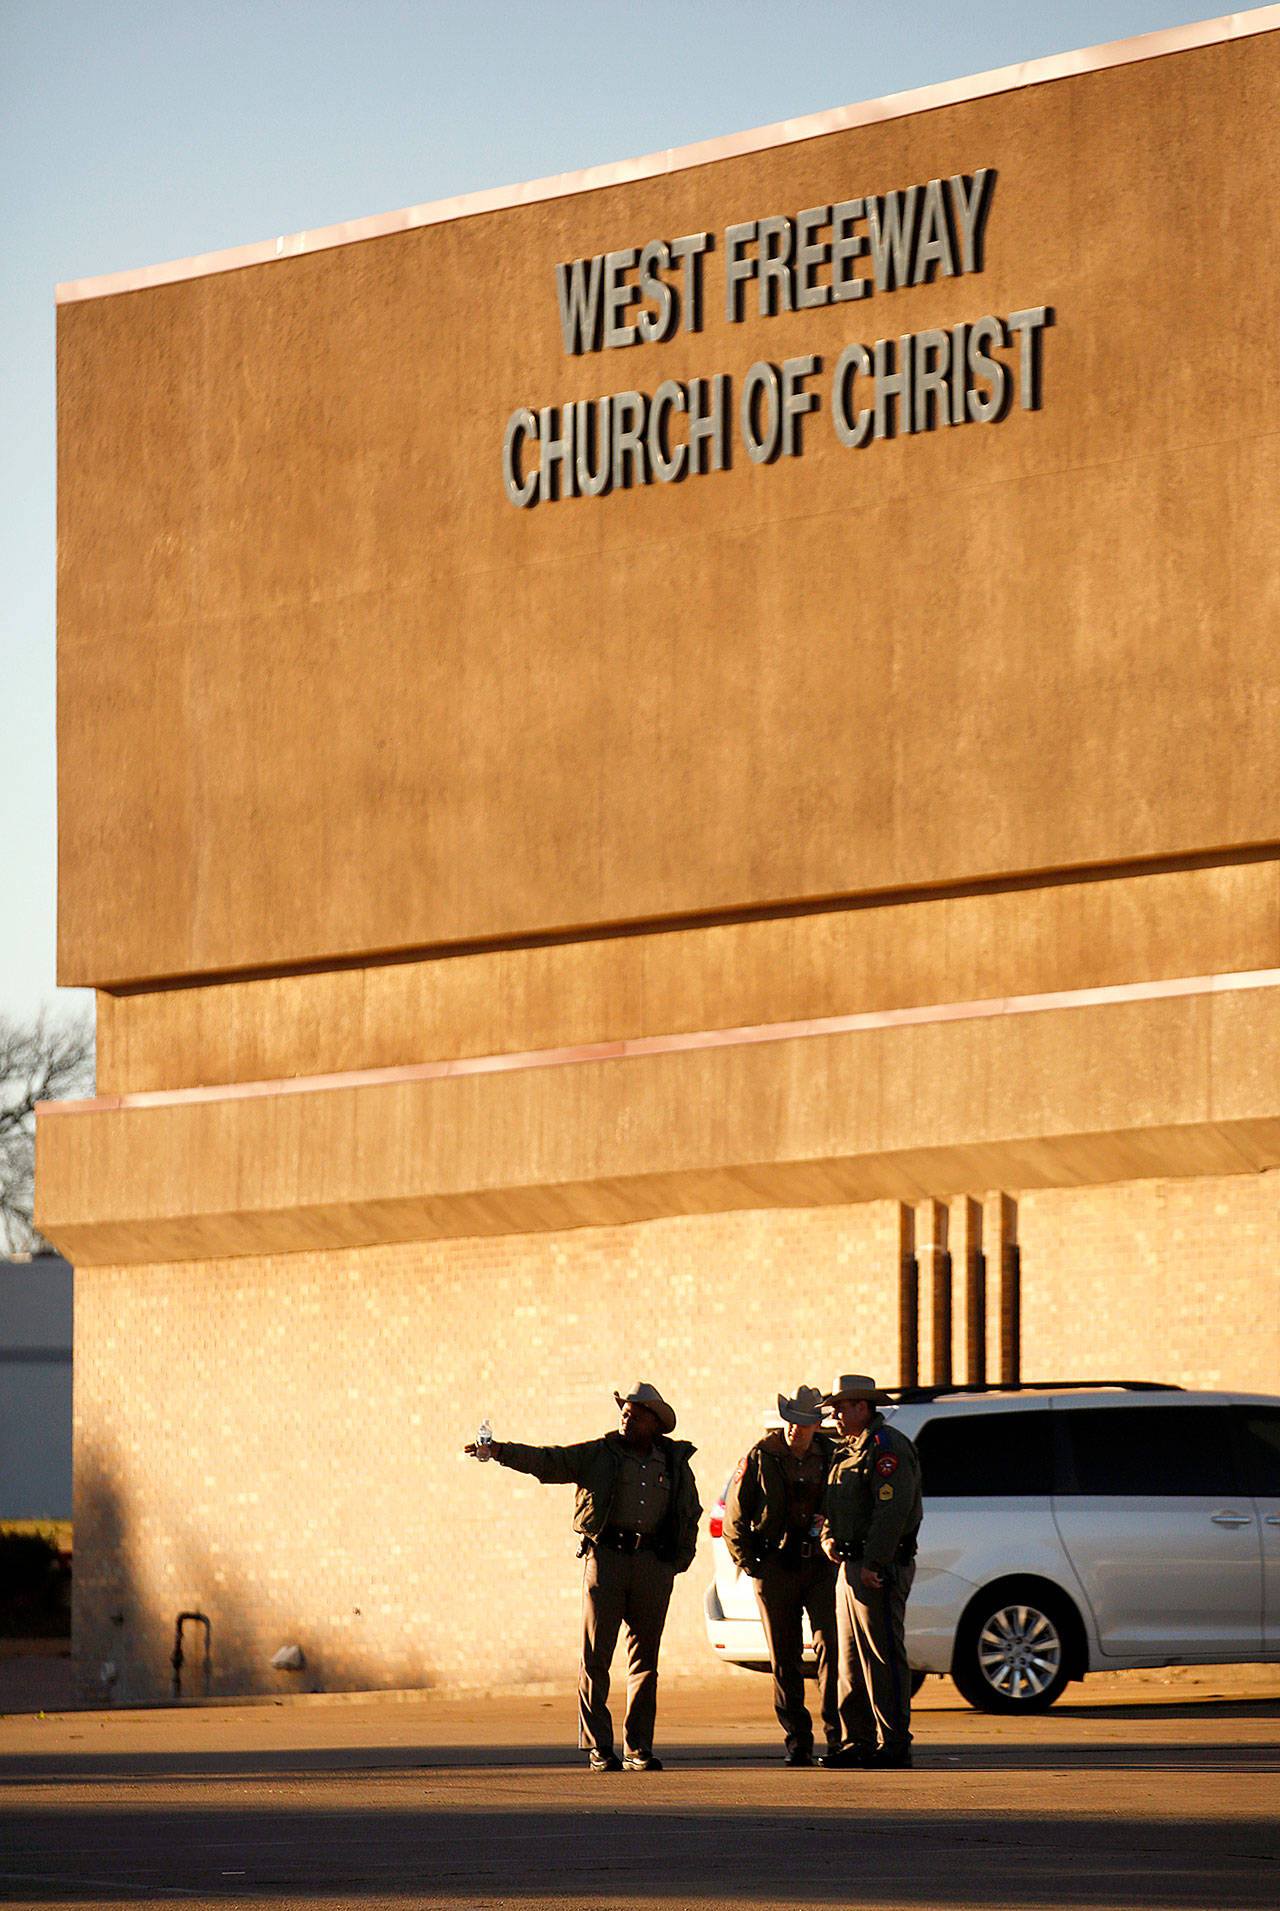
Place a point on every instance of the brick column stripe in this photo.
(975, 1294)
(908, 1298)
(1010, 1294)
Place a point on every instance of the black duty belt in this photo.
(797, 1548)
(620, 1539)
(905, 1553)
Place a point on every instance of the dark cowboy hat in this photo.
(643, 1394)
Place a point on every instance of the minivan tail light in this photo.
(715, 1525)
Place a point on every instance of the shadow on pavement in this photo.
(1214, 1708)
(936, 1755)
(655, 1849)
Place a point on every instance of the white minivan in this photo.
(1071, 1530)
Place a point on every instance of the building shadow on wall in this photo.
(127, 1648)
(104, 1604)
(213, 1639)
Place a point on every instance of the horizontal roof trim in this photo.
(1007, 79)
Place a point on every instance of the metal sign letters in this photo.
(836, 254)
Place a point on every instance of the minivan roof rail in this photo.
(905, 1396)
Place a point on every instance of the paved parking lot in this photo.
(1143, 1790)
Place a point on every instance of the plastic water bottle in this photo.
(484, 1439)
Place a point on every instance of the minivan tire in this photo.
(1013, 1649)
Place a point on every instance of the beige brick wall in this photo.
(1171, 1280)
(276, 1443)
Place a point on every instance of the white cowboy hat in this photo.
(643, 1394)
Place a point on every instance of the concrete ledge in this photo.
(1178, 1086)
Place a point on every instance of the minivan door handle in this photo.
(1273, 1519)
(1231, 1519)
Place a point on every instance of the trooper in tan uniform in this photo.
(872, 1518)
(772, 1522)
(637, 1514)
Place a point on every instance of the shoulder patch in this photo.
(887, 1464)
(740, 1470)
(886, 1492)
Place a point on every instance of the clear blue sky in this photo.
(135, 131)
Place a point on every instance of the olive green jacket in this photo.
(874, 1505)
(757, 1502)
(592, 1466)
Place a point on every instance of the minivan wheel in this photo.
(1011, 1654)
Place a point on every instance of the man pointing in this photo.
(637, 1513)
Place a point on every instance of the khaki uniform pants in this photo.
(631, 1589)
(784, 1595)
(875, 1679)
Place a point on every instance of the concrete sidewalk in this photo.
(731, 1709)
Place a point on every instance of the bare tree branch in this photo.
(45, 1059)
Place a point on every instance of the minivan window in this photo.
(1260, 1430)
(1147, 1451)
(986, 1454)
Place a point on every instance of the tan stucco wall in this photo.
(969, 715)
(1076, 1095)
(324, 692)
(1026, 940)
